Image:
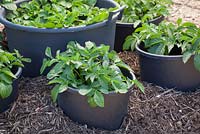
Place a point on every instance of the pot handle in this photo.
(115, 13)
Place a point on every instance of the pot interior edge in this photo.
(156, 56)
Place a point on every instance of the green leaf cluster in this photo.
(141, 11)
(8, 4)
(163, 39)
(92, 70)
(8, 61)
(58, 13)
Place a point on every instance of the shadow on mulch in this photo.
(158, 111)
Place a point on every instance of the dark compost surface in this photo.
(158, 111)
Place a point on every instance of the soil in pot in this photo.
(125, 29)
(110, 117)
(168, 71)
(31, 42)
(6, 103)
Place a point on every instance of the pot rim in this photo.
(156, 56)
(114, 16)
(18, 72)
(74, 90)
(131, 24)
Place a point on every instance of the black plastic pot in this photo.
(125, 29)
(168, 71)
(5, 103)
(110, 117)
(32, 42)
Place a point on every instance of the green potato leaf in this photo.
(5, 90)
(99, 99)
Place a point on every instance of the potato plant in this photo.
(92, 70)
(58, 13)
(166, 37)
(9, 61)
(141, 11)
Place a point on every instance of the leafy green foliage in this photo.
(58, 13)
(140, 11)
(8, 4)
(92, 70)
(167, 38)
(7, 62)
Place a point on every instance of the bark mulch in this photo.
(132, 59)
(158, 111)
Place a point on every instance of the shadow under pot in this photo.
(168, 71)
(6, 103)
(125, 29)
(32, 42)
(110, 117)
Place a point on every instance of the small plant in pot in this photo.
(169, 54)
(36, 24)
(10, 70)
(136, 13)
(92, 85)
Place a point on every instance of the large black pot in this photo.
(32, 42)
(125, 29)
(5, 103)
(110, 117)
(168, 71)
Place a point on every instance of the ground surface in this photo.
(158, 111)
(189, 10)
